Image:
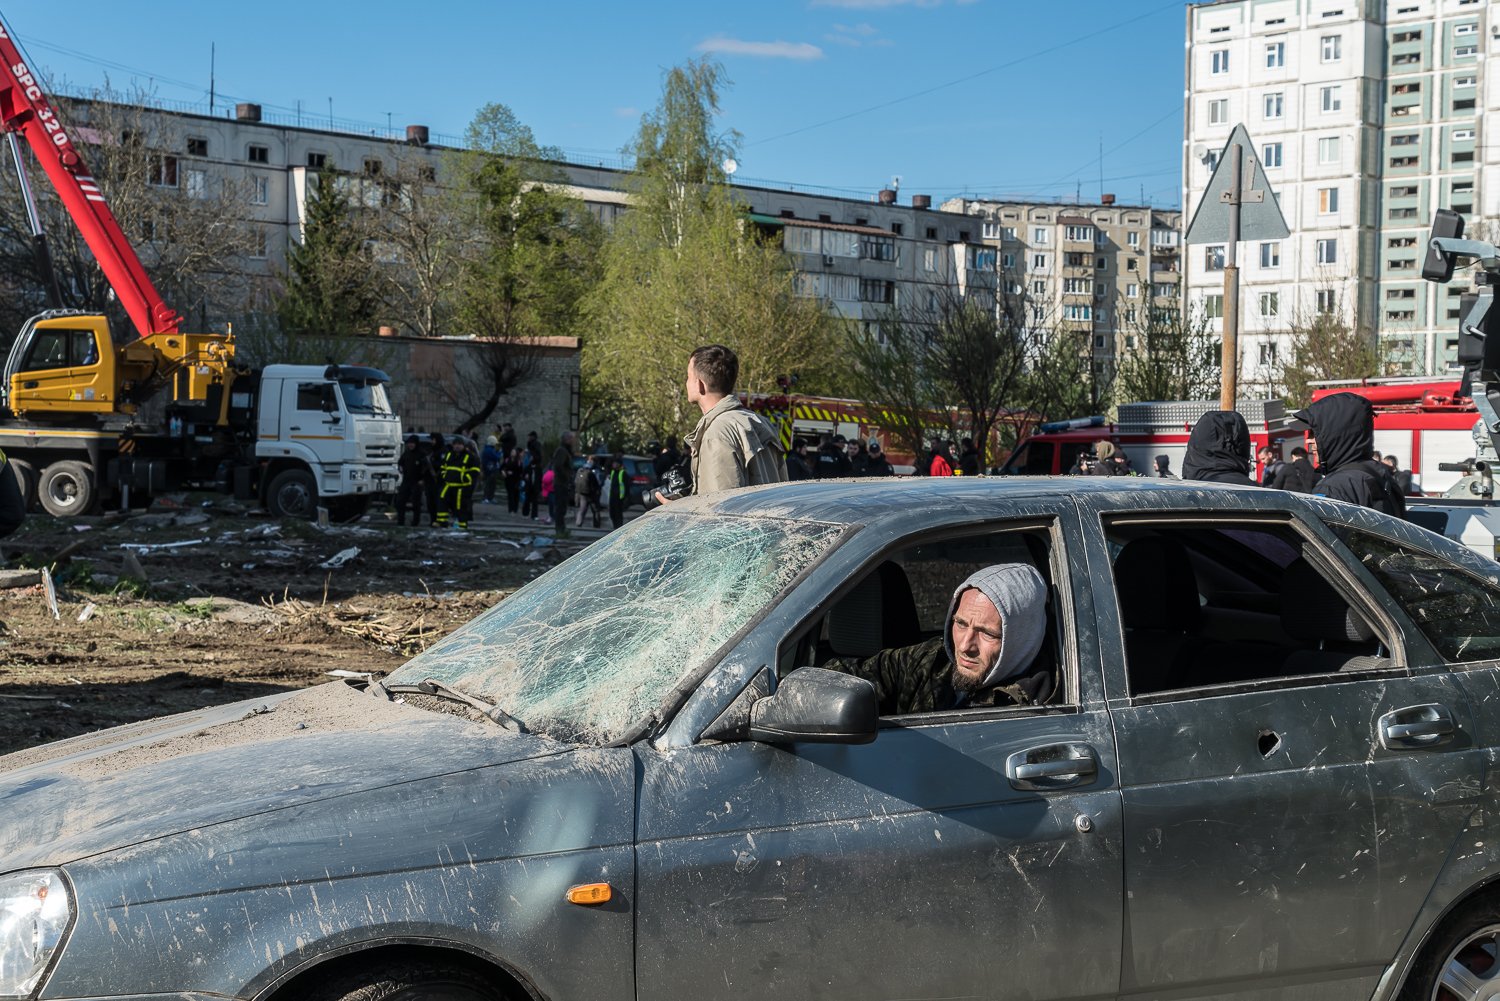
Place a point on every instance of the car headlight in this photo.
(36, 909)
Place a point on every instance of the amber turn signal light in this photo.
(590, 894)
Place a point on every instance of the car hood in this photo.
(80, 797)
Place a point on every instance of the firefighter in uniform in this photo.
(457, 474)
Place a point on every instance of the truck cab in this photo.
(324, 435)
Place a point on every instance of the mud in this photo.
(245, 609)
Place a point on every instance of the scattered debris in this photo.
(50, 591)
(339, 558)
(19, 578)
(88, 613)
(146, 548)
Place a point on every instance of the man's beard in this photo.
(968, 684)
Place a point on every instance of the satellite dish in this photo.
(1200, 151)
(731, 165)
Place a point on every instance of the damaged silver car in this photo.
(1262, 767)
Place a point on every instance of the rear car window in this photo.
(1458, 612)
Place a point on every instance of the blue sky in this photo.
(990, 97)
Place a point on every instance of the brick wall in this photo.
(434, 386)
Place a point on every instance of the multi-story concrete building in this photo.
(1094, 270)
(1365, 115)
(860, 257)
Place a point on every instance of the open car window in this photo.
(1205, 603)
(899, 603)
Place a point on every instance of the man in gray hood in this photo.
(997, 620)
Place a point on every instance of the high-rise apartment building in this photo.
(1093, 270)
(1367, 117)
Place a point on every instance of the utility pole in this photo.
(1229, 357)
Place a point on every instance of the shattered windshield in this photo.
(592, 648)
(364, 397)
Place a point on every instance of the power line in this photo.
(972, 76)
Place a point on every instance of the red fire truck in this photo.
(1422, 422)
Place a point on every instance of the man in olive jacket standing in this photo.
(732, 445)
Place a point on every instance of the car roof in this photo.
(864, 501)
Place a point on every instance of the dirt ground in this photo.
(215, 604)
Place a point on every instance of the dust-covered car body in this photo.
(1265, 773)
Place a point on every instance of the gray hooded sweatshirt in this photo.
(1019, 592)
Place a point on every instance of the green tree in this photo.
(1325, 344)
(891, 367)
(332, 284)
(536, 259)
(1176, 354)
(684, 268)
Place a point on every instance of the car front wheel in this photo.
(407, 981)
(1462, 961)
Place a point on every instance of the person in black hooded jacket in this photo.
(1342, 426)
(1218, 450)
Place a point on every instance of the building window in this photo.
(1270, 255)
(1039, 288)
(374, 166)
(1331, 98)
(1405, 139)
(1133, 239)
(317, 161)
(1101, 264)
(1218, 112)
(1463, 135)
(1075, 260)
(1039, 234)
(1270, 155)
(1464, 104)
(1464, 81)
(1464, 51)
(1410, 87)
(896, 227)
(1130, 264)
(1333, 48)
(1328, 200)
(1466, 29)
(1038, 314)
(1401, 264)
(197, 147)
(990, 231)
(1078, 312)
(1401, 293)
(1039, 262)
(161, 170)
(1220, 60)
(256, 153)
(1398, 162)
(1275, 55)
(1080, 234)
(1273, 104)
(929, 260)
(1400, 315)
(1406, 58)
(1328, 149)
(1326, 301)
(1213, 306)
(1397, 214)
(1133, 290)
(1007, 232)
(1270, 303)
(1078, 286)
(260, 243)
(1328, 251)
(1406, 190)
(876, 248)
(1407, 36)
(1267, 353)
(1008, 261)
(1401, 242)
(877, 290)
(197, 183)
(1213, 257)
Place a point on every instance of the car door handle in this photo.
(1416, 727)
(1051, 766)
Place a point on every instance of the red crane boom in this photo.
(24, 109)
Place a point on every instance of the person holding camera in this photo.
(732, 446)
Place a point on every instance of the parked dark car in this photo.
(1266, 771)
(639, 469)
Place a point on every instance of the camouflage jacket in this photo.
(919, 679)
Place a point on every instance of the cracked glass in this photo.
(595, 646)
(1458, 612)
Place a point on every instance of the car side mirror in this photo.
(813, 705)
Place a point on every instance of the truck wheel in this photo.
(1459, 960)
(407, 981)
(25, 474)
(293, 494)
(67, 489)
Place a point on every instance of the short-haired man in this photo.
(1298, 476)
(732, 445)
(997, 620)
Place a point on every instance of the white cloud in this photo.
(856, 35)
(767, 50)
(627, 112)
